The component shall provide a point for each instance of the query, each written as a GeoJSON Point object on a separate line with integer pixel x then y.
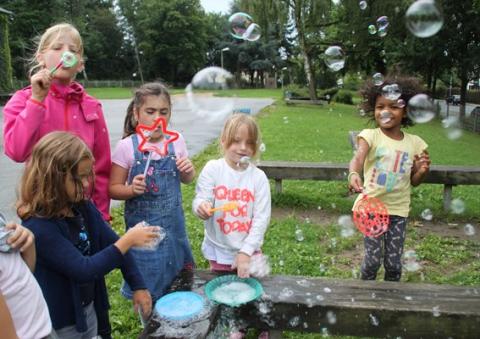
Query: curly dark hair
{"type": "Point", "coordinates": [409, 86]}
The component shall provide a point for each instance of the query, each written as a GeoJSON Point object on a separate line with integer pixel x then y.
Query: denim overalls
{"type": "Point", "coordinates": [160, 205]}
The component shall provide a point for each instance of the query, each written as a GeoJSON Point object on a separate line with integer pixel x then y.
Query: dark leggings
{"type": "Point", "coordinates": [392, 243]}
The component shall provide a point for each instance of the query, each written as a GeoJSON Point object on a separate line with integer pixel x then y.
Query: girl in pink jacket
{"type": "Point", "coordinates": [55, 102]}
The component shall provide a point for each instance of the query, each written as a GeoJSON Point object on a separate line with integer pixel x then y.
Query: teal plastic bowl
{"type": "Point", "coordinates": [232, 296]}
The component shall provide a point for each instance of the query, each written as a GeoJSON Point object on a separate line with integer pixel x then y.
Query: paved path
{"type": "Point", "coordinates": [198, 132]}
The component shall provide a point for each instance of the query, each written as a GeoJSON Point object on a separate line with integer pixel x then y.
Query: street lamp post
{"type": "Point", "coordinates": [283, 69]}
{"type": "Point", "coordinates": [221, 55]}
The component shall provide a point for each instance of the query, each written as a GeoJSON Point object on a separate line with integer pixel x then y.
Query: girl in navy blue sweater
{"type": "Point", "coordinates": [75, 247]}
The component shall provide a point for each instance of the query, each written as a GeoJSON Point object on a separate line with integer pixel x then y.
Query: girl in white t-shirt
{"type": "Point", "coordinates": [233, 236]}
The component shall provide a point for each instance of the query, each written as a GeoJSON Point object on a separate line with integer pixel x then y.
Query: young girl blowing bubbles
{"type": "Point", "coordinates": [156, 197]}
{"type": "Point", "coordinates": [75, 247]}
{"type": "Point", "coordinates": [392, 161]}
{"type": "Point", "coordinates": [233, 236]}
{"type": "Point", "coordinates": [55, 102]}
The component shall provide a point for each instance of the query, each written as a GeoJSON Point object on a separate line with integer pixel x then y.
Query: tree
{"type": "Point", "coordinates": [5, 60]}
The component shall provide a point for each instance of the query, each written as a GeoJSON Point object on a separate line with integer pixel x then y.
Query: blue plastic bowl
{"type": "Point", "coordinates": [180, 305]}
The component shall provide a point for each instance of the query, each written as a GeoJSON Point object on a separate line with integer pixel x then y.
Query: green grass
{"type": "Point", "coordinates": [316, 133]}
{"type": "Point", "coordinates": [119, 93]}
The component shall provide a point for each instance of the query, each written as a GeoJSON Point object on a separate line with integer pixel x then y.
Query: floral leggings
{"type": "Point", "coordinates": [392, 243]}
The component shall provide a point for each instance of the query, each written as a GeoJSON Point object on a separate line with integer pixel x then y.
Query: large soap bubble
{"type": "Point", "coordinates": [423, 18]}
{"type": "Point", "coordinates": [334, 58]}
{"type": "Point", "coordinates": [242, 27]}
{"type": "Point", "coordinates": [421, 109]}
{"type": "Point", "coordinates": [200, 92]}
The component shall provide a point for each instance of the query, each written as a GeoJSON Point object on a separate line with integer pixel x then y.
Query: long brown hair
{"type": "Point", "coordinates": [151, 88]}
{"type": "Point", "coordinates": [43, 191]}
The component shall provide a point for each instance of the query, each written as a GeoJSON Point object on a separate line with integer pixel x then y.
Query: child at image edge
{"type": "Point", "coordinates": [75, 246]}
{"type": "Point", "coordinates": [155, 198]}
{"type": "Point", "coordinates": [391, 161]}
{"type": "Point", "coordinates": [232, 237]}
{"type": "Point", "coordinates": [58, 103]}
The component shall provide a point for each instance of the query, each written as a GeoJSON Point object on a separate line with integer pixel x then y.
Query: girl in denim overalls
{"type": "Point", "coordinates": [156, 197]}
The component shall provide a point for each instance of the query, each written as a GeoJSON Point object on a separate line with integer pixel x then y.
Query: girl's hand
{"type": "Point", "coordinates": [21, 238]}
{"type": "Point", "coordinates": [242, 264]}
{"type": "Point", "coordinates": [356, 183]}
{"type": "Point", "coordinates": [203, 211]}
{"type": "Point", "coordinates": [421, 163]}
{"type": "Point", "coordinates": [184, 165]}
{"type": "Point", "coordinates": [138, 185]}
{"type": "Point", "coordinates": [142, 300]}
{"type": "Point", "coordinates": [140, 235]}
{"type": "Point", "coordinates": [40, 82]}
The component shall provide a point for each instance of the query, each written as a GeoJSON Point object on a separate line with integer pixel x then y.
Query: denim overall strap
{"type": "Point", "coordinates": [160, 205]}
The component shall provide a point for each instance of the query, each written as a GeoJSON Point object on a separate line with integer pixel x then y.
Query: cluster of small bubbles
{"type": "Point", "coordinates": [457, 206]}
{"type": "Point", "coordinates": [242, 27]}
{"type": "Point", "coordinates": [331, 318]}
{"type": "Point", "coordinates": [436, 311]}
{"type": "Point", "coordinates": [410, 261]}
{"type": "Point", "coordinates": [452, 126]}
{"type": "Point", "coordinates": [259, 266]}
{"type": "Point", "coordinates": [322, 269]}
{"type": "Point", "coordinates": [327, 290]}
{"type": "Point", "coordinates": [307, 220]}
{"type": "Point", "coordinates": [423, 18]}
{"type": "Point", "coordinates": [334, 58]}
{"type": "Point", "coordinates": [421, 108]}
{"type": "Point", "coordinates": [427, 214]}
{"type": "Point", "coordinates": [322, 35]}
{"type": "Point", "coordinates": [304, 283]}
{"type": "Point", "coordinates": [262, 148]}
{"type": "Point", "coordinates": [363, 5]}
{"type": "Point", "coordinates": [324, 332]}
{"type": "Point", "coordinates": [210, 79]}
{"type": "Point", "coordinates": [285, 293]}
{"type": "Point", "coordinates": [294, 322]}
{"type": "Point", "coordinates": [374, 320]}
{"type": "Point", "coordinates": [347, 228]}
{"type": "Point", "coordinates": [309, 302]}
{"type": "Point", "coordinates": [469, 229]}
{"type": "Point", "coordinates": [263, 308]}
{"type": "Point", "coordinates": [299, 235]}
{"type": "Point", "coordinates": [391, 92]}
{"type": "Point", "coordinates": [372, 29]}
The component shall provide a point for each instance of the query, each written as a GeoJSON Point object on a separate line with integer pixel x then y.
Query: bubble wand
{"type": "Point", "coordinates": [68, 60]}
{"type": "Point", "coordinates": [145, 132]}
{"type": "Point", "coordinates": [228, 207]}
{"type": "Point", "coordinates": [371, 216]}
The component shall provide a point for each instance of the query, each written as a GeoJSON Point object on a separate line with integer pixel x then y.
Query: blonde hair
{"type": "Point", "coordinates": [48, 37]}
{"type": "Point", "coordinates": [43, 189]}
{"type": "Point", "coordinates": [233, 124]}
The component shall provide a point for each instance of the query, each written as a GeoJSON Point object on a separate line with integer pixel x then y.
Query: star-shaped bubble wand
{"type": "Point", "coordinates": [68, 60]}
{"type": "Point", "coordinates": [371, 216]}
{"type": "Point", "coordinates": [145, 132]}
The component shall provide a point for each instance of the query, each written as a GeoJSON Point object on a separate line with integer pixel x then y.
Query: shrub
{"type": "Point", "coordinates": [344, 96]}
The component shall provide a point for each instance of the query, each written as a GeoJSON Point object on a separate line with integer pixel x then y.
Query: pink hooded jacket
{"type": "Point", "coordinates": [66, 108]}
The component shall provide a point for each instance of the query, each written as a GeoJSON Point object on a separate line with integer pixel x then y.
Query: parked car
{"type": "Point", "coordinates": [453, 99]}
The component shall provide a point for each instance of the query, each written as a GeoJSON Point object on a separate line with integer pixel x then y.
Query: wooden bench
{"type": "Point", "coordinates": [448, 176]}
{"type": "Point", "coordinates": [345, 307]}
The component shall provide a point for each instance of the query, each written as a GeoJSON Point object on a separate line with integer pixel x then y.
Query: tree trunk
{"type": "Point", "coordinates": [463, 91]}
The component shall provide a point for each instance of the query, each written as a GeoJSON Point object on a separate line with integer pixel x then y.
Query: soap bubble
{"type": "Point", "coordinates": [423, 18]}
{"type": "Point", "coordinates": [372, 29]}
{"type": "Point", "coordinates": [427, 214]}
{"type": "Point", "coordinates": [391, 92]}
{"type": "Point", "coordinates": [363, 5]}
{"type": "Point", "coordinates": [469, 229]}
{"type": "Point", "coordinates": [199, 96]}
{"type": "Point", "coordinates": [382, 22]}
{"type": "Point", "coordinates": [453, 128]}
{"type": "Point", "coordinates": [421, 109]}
{"type": "Point", "coordinates": [410, 261]}
{"type": "Point", "coordinates": [334, 58]}
{"type": "Point", "coordinates": [381, 33]}
{"type": "Point", "coordinates": [378, 79]}
{"type": "Point", "coordinates": [299, 235]}
{"type": "Point", "coordinates": [457, 206]}
{"type": "Point", "coordinates": [262, 148]}
{"type": "Point", "coordinates": [242, 27]}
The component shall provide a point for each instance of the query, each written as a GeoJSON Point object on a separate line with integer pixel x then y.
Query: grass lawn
{"type": "Point", "coordinates": [311, 133]}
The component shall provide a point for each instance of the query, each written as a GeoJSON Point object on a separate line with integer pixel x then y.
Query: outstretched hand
{"type": "Point", "coordinates": [242, 264]}
{"type": "Point", "coordinates": [421, 163]}
{"type": "Point", "coordinates": [355, 183]}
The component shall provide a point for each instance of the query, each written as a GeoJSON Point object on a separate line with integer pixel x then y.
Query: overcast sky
{"type": "Point", "coordinates": [216, 5]}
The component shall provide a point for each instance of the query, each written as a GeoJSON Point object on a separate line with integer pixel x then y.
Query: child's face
{"type": "Point", "coordinates": [154, 106]}
{"type": "Point", "coordinates": [242, 146]}
{"type": "Point", "coordinates": [389, 113]}
{"type": "Point", "coordinates": [84, 175]}
{"type": "Point", "coordinates": [52, 54]}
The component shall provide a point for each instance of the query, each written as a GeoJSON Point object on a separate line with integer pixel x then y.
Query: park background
{"type": "Point", "coordinates": [129, 42]}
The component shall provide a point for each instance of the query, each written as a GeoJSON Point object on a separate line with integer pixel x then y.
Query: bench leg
{"type": "Point", "coordinates": [447, 196]}
{"type": "Point", "coordinates": [278, 186]}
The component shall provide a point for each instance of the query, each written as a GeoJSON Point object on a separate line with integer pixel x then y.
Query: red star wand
{"type": "Point", "coordinates": [145, 132]}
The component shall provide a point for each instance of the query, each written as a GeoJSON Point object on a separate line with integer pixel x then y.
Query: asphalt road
{"type": "Point", "coordinates": [199, 132]}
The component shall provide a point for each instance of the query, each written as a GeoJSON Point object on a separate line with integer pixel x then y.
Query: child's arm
{"type": "Point", "coordinates": [119, 190]}
{"type": "Point", "coordinates": [355, 182]}
{"type": "Point", "coordinates": [420, 168]}
{"type": "Point", "coordinates": [6, 321]}
{"type": "Point", "coordinates": [202, 203]}
{"type": "Point", "coordinates": [186, 169]}
{"type": "Point", "coordinates": [23, 240]}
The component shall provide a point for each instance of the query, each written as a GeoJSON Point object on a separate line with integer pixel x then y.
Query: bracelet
{"type": "Point", "coordinates": [350, 175]}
